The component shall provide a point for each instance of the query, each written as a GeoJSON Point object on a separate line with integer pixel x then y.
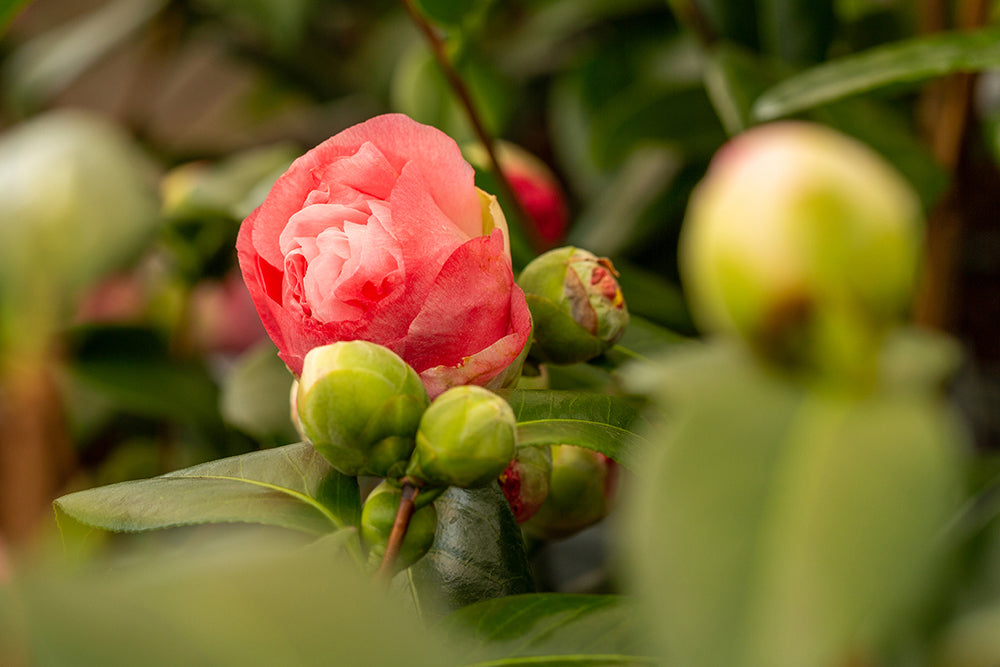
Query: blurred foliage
{"type": "Point", "coordinates": [626, 100]}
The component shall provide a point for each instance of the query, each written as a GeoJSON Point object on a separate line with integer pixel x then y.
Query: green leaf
{"type": "Point", "coordinates": [779, 526]}
{"type": "Point", "coordinates": [244, 601]}
{"type": "Point", "coordinates": [595, 421]}
{"type": "Point", "coordinates": [133, 367]}
{"type": "Point", "coordinates": [255, 396]}
{"type": "Point", "coordinates": [679, 115]}
{"type": "Point", "coordinates": [292, 487]}
{"type": "Point", "coordinates": [734, 78]}
{"type": "Point", "coordinates": [548, 629]}
{"type": "Point", "coordinates": [901, 62]}
{"type": "Point", "coordinates": [478, 554]}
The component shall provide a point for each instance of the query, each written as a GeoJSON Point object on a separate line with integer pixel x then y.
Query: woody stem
{"type": "Point", "coordinates": [475, 118]}
{"type": "Point", "coordinates": [398, 533]}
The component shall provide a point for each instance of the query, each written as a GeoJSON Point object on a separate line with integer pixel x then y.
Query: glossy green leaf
{"type": "Point", "coordinates": [779, 526]}
{"type": "Point", "coordinates": [534, 405]}
{"type": "Point", "coordinates": [595, 421]}
{"type": "Point", "coordinates": [478, 554]}
{"type": "Point", "coordinates": [901, 62]}
{"type": "Point", "coordinates": [291, 487]}
{"type": "Point", "coordinates": [242, 602]}
{"type": "Point", "coordinates": [549, 628]}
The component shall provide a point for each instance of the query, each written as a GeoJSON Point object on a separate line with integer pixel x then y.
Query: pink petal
{"type": "Point", "coordinates": [494, 367]}
{"type": "Point", "coordinates": [468, 308]}
{"type": "Point", "coordinates": [449, 178]}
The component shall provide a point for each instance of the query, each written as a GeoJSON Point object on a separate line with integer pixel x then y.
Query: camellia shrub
{"type": "Point", "coordinates": [595, 335]}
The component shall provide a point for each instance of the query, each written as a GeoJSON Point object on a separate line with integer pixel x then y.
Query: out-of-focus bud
{"type": "Point", "coordinates": [77, 202]}
{"type": "Point", "coordinates": [581, 493]}
{"type": "Point", "coordinates": [525, 482]}
{"type": "Point", "coordinates": [466, 439]}
{"type": "Point", "coordinates": [377, 517]}
{"type": "Point", "coordinates": [223, 317]}
{"type": "Point", "coordinates": [534, 185]}
{"type": "Point", "coordinates": [359, 404]}
{"type": "Point", "coordinates": [576, 305]}
{"type": "Point", "coordinates": [805, 243]}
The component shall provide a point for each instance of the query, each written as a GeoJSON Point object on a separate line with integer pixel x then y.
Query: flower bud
{"type": "Point", "coordinates": [581, 493]}
{"type": "Point", "coordinates": [576, 305]}
{"type": "Point", "coordinates": [466, 439]}
{"type": "Point", "coordinates": [359, 404]}
{"type": "Point", "coordinates": [805, 243]}
{"type": "Point", "coordinates": [525, 482]}
{"type": "Point", "coordinates": [377, 518]}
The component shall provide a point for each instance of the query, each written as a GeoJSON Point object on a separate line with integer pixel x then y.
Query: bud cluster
{"type": "Point", "coordinates": [366, 411]}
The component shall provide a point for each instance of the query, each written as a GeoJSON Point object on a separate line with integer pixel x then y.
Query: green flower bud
{"type": "Point", "coordinates": [77, 202]}
{"type": "Point", "coordinates": [803, 242]}
{"type": "Point", "coordinates": [525, 482]}
{"type": "Point", "coordinates": [377, 518]}
{"type": "Point", "coordinates": [466, 439]}
{"type": "Point", "coordinates": [359, 404]}
{"type": "Point", "coordinates": [576, 305]}
{"type": "Point", "coordinates": [581, 493]}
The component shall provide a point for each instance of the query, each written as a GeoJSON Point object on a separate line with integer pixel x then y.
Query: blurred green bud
{"type": "Point", "coordinates": [466, 439]}
{"type": "Point", "coordinates": [525, 482]}
{"type": "Point", "coordinates": [77, 202]}
{"type": "Point", "coordinates": [576, 305]}
{"type": "Point", "coordinates": [581, 492]}
{"type": "Point", "coordinates": [377, 518]}
{"type": "Point", "coordinates": [359, 404]}
{"type": "Point", "coordinates": [805, 243]}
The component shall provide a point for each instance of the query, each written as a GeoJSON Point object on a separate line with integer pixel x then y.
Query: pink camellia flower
{"type": "Point", "coordinates": [380, 234]}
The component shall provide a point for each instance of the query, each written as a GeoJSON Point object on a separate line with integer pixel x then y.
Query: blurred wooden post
{"type": "Point", "coordinates": [33, 447]}
{"type": "Point", "coordinates": [945, 108]}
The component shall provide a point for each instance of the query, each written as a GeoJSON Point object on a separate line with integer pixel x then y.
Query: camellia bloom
{"type": "Point", "coordinates": [380, 234]}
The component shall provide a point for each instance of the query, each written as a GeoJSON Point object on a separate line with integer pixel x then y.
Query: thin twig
{"type": "Point", "coordinates": [691, 17]}
{"type": "Point", "coordinates": [403, 515]}
{"type": "Point", "coordinates": [462, 91]}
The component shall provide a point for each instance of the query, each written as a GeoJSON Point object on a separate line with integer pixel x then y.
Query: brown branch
{"type": "Point", "coordinates": [945, 109]}
{"type": "Point", "coordinates": [403, 515]}
{"type": "Point", "coordinates": [475, 118]}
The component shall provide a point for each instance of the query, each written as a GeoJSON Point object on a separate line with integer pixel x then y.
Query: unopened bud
{"type": "Point", "coordinates": [466, 438]}
{"type": "Point", "coordinates": [525, 482]}
{"type": "Point", "coordinates": [359, 404]}
{"type": "Point", "coordinates": [581, 493]}
{"type": "Point", "coordinates": [803, 242]}
{"type": "Point", "coordinates": [379, 514]}
{"type": "Point", "coordinates": [576, 305]}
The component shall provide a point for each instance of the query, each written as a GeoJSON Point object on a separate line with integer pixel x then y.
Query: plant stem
{"type": "Point", "coordinates": [399, 526]}
{"type": "Point", "coordinates": [462, 91]}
